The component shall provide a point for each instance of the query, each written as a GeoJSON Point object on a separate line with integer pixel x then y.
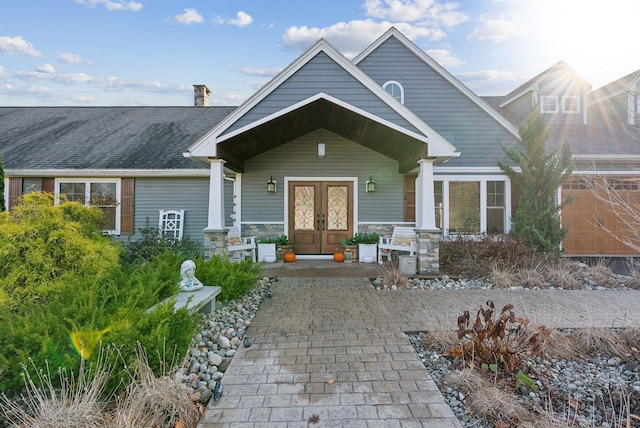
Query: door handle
{"type": "Point", "coordinates": [320, 221]}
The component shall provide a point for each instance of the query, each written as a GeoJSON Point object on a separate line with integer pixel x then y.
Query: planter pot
{"type": "Point", "coordinates": [281, 250]}
{"type": "Point", "coordinates": [367, 252]}
{"type": "Point", "coordinates": [266, 252]}
{"type": "Point", "coordinates": [353, 253]}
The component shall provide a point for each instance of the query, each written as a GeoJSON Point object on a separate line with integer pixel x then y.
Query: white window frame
{"type": "Point", "coordinates": [394, 83]}
{"type": "Point", "coordinates": [544, 98]}
{"type": "Point", "coordinates": [483, 200]}
{"type": "Point", "coordinates": [87, 182]}
{"type": "Point", "coordinates": [564, 104]}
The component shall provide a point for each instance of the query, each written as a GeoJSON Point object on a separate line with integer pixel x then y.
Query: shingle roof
{"type": "Point", "coordinates": [103, 137]}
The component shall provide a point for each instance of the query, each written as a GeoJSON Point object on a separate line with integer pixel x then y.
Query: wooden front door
{"type": "Point", "coordinates": [320, 215]}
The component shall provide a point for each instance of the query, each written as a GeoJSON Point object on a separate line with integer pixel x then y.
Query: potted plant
{"type": "Point", "coordinates": [283, 246]}
{"type": "Point", "coordinates": [367, 246]}
{"type": "Point", "coordinates": [350, 249]}
{"type": "Point", "coordinates": [267, 250]}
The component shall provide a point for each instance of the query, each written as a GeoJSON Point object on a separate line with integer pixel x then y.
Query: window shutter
{"type": "Point", "coordinates": [15, 191]}
{"type": "Point", "coordinates": [48, 184]}
{"type": "Point", "coordinates": [126, 206]}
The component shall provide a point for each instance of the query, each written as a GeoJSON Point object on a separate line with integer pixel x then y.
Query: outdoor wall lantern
{"type": "Point", "coordinates": [371, 185]}
{"type": "Point", "coordinates": [321, 150]}
{"type": "Point", "coordinates": [271, 185]}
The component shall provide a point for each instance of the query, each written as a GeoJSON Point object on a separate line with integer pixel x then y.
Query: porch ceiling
{"type": "Point", "coordinates": [332, 117]}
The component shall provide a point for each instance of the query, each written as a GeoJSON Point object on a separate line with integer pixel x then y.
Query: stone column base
{"type": "Point", "coordinates": [428, 242]}
{"type": "Point", "coordinates": [215, 243]}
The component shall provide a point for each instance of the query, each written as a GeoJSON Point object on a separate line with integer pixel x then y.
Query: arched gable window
{"type": "Point", "coordinates": [395, 89]}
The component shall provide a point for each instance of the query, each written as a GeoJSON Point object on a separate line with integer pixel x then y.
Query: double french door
{"type": "Point", "coordinates": [320, 215]}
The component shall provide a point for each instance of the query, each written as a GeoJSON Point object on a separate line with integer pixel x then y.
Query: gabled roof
{"type": "Point", "coordinates": [630, 82]}
{"type": "Point", "coordinates": [395, 33]}
{"type": "Point", "coordinates": [558, 74]}
{"type": "Point", "coordinates": [102, 138]}
{"type": "Point", "coordinates": [207, 146]}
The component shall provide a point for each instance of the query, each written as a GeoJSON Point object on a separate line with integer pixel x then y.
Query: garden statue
{"type": "Point", "coordinates": [189, 281]}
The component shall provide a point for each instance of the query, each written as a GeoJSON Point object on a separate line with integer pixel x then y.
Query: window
{"type": "Point", "coordinates": [570, 104]}
{"type": "Point", "coordinates": [101, 193]}
{"type": "Point", "coordinates": [30, 185]}
{"type": "Point", "coordinates": [464, 207]}
{"type": "Point", "coordinates": [495, 206]}
{"type": "Point", "coordinates": [395, 89]}
{"type": "Point", "coordinates": [472, 206]}
{"type": "Point", "coordinates": [549, 103]}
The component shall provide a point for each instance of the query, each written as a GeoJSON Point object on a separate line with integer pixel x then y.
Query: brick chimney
{"type": "Point", "coordinates": [201, 95]}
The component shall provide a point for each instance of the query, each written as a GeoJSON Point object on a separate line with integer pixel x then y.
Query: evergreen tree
{"type": "Point", "coordinates": [2, 208]}
{"type": "Point", "coordinates": [537, 218]}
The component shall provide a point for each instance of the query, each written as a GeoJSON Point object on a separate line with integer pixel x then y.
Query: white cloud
{"type": "Point", "coordinates": [491, 82]}
{"type": "Point", "coordinates": [242, 19]}
{"type": "Point", "coordinates": [17, 45]}
{"type": "Point", "coordinates": [445, 57]}
{"type": "Point", "coordinates": [46, 68]}
{"type": "Point", "coordinates": [113, 4]}
{"type": "Point", "coordinates": [262, 72]}
{"type": "Point", "coordinates": [496, 29]}
{"type": "Point", "coordinates": [353, 36]}
{"type": "Point", "coordinates": [3, 73]}
{"type": "Point", "coordinates": [428, 12]}
{"type": "Point", "coordinates": [70, 58]}
{"type": "Point", "coordinates": [190, 16]}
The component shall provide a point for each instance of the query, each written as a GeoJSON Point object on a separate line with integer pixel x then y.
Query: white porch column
{"type": "Point", "coordinates": [425, 203]}
{"type": "Point", "coordinates": [216, 195]}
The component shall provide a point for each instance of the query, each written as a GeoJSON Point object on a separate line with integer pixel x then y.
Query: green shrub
{"type": "Point", "coordinates": [235, 278]}
{"type": "Point", "coordinates": [117, 304]}
{"type": "Point", "coordinates": [152, 244]}
{"type": "Point", "coordinates": [44, 246]}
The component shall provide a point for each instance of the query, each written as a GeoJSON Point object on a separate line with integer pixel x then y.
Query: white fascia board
{"type": "Point", "coordinates": [203, 147]}
{"type": "Point", "coordinates": [515, 97]}
{"type": "Point", "coordinates": [444, 73]}
{"type": "Point", "coordinates": [468, 170]}
{"type": "Point", "coordinates": [107, 173]}
{"type": "Point", "coordinates": [608, 158]}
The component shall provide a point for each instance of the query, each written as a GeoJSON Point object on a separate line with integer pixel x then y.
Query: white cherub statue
{"type": "Point", "coordinates": [189, 281]}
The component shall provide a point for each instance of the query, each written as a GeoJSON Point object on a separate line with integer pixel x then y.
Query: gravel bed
{"type": "Point", "coordinates": [219, 336]}
{"type": "Point", "coordinates": [582, 393]}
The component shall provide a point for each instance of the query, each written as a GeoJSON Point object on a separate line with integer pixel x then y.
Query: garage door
{"type": "Point", "coordinates": [583, 216]}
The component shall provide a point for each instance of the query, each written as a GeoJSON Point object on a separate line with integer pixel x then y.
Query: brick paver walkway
{"type": "Point", "coordinates": [335, 350]}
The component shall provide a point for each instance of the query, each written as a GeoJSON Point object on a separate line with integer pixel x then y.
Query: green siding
{"type": "Point", "coordinates": [343, 159]}
{"type": "Point", "coordinates": [189, 194]}
{"type": "Point", "coordinates": [474, 133]}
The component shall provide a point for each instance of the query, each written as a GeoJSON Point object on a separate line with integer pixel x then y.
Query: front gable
{"type": "Point", "coordinates": [320, 73]}
{"type": "Point", "coordinates": [439, 99]}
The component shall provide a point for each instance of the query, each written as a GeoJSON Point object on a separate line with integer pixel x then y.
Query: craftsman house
{"type": "Point", "coordinates": [329, 147]}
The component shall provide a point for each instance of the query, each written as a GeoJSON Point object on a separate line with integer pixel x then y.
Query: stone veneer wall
{"type": "Point", "coordinates": [428, 251]}
{"type": "Point", "coordinates": [215, 242]}
{"type": "Point", "coordinates": [263, 231]}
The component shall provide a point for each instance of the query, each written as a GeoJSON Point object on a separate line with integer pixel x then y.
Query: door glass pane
{"type": "Point", "coordinates": [337, 208]}
{"type": "Point", "coordinates": [464, 206]}
{"type": "Point", "coordinates": [304, 197]}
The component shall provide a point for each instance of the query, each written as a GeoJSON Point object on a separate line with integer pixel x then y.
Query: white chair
{"type": "Point", "coordinates": [244, 246]}
{"type": "Point", "coordinates": [171, 223]}
{"type": "Point", "coordinates": [402, 239]}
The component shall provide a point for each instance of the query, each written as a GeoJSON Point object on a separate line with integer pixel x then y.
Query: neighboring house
{"type": "Point", "coordinates": [316, 134]}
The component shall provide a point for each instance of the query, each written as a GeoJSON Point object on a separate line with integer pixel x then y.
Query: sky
{"type": "Point", "coordinates": [152, 52]}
